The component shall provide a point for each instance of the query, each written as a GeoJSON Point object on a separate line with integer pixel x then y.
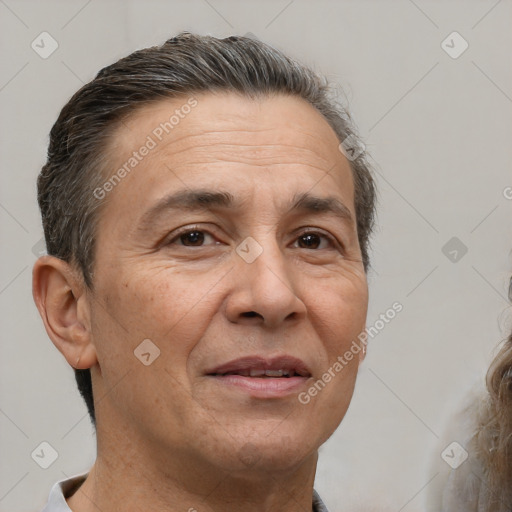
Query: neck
{"type": "Point", "coordinates": [129, 476]}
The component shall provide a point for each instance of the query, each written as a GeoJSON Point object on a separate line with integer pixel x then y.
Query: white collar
{"type": "Point", "coordinates": [61, 490]}
{"type": "Point", "coordinates": [64, 488]}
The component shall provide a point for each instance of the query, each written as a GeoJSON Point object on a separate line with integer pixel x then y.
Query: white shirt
{"type": "Point", "coordinates": [65, 488]}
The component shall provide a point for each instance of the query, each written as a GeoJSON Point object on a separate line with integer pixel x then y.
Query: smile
{"type": "Point", "coordinates": [261, 378]}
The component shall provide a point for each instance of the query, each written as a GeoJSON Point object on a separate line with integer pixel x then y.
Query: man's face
{"type": "Point", "coordinates": [174, 265]}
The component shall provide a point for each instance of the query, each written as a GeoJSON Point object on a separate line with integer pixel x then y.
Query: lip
{"type": "Point", "coordinates": [262, 387]}
{"type": "Point", "coordinates": [284, 362]}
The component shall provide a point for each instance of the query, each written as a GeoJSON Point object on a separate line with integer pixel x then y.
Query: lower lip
{"type": "Point", "coordinates": [263, 387]}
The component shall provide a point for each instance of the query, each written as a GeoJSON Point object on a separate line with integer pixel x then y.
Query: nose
{"type": "Point", "coordinates": [264, 291]}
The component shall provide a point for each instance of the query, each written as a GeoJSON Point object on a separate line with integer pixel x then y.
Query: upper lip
{"type": "Point", "coordinates": [285, 362]}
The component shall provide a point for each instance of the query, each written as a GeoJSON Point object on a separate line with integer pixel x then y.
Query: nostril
{"type": "Point", "coordinates": [250, 314]}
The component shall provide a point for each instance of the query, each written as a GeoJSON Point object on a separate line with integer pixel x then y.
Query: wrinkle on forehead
{"type": "Point", "coordinates": [293, 150]}
{"type": "Point", "coordinates": [278, 127]}
{"type": "Point", "coordinates": [226, 138]}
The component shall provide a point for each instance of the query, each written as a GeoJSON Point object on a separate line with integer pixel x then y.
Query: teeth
{"type": "Point", "coordinates": [257, 373]}
{"type": "Point", "coordinates": [274, 373]}
{"type": "Point", "coordinates": [269, 373]}
{"type": "Point", "coordinates": [262, 373]}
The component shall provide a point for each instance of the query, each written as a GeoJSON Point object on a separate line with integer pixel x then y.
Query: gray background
{"type": "Point", "coordinates": [438, 129]}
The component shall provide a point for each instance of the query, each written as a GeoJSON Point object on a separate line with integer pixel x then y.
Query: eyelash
{"type": "Point", "coordinates": [190, 229]}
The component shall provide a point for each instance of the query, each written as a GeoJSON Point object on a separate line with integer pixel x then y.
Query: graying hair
{"type": "Point", "coordinates": [185, 64]}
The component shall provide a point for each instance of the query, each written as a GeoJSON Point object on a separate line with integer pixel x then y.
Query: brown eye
{"type": "Point", "coordinates": [312, 240]}
{"type": "Point", "coordinates": [192, 238]}
{"type": "Point", "coordinates": [309, 241]}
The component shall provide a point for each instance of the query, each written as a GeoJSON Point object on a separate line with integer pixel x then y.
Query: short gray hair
{"type": "Point", "coordinates": [185, 64]}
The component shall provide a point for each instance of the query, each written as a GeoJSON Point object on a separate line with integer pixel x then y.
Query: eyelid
{"type": "Point", "coordinates": [302, 231]}
{"type": "Point", "coordinates": [317, 231]}
{"type": "Point", "coordinates": [186, 229]}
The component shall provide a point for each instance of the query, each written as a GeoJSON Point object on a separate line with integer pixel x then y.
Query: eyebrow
{"type": "Point", "coordinates": [200, 199]}
{"type": "Point", "coordinates": [330, 205]}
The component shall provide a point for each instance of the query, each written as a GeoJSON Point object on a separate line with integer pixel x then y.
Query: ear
{"type": "Point", "coordinates": [61, 298]}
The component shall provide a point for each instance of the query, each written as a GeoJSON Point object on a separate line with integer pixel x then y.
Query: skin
{"type": "Point", "coordinates": [169, 437]}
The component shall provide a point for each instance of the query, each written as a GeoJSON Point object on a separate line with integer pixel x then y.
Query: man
{"type": "Point", "coordinates": [207, 237]}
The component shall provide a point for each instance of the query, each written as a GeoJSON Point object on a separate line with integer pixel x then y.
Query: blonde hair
{"type": "Point", "coordinates": [492, 441]}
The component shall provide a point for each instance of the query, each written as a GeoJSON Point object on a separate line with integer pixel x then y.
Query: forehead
{"type": "Point", "coordinates": [228, 140]}
{"type": "Point", "coordinates": [288, 123]}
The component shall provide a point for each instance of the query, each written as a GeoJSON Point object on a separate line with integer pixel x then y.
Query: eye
{"type": "Point", "coordinates": [314, 240]}
{"type": "Point", "coordinates": [192, 238]}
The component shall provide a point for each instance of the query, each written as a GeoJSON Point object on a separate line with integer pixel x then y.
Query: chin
{"type": "Point", "coordinates": [269, 453]}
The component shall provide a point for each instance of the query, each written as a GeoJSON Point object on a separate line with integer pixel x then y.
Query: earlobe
{"type": "Point", "coordinates": [60, 297]}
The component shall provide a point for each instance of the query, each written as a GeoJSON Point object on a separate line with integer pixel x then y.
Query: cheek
{"type": "Point", "coordinates": [172, 311]}
{"type": "Point", "coordinates": [340, 311]}
{"type": "Point", "coordinates": [170, 308]}
{"type": "Point", "coordinates": [155, 299]}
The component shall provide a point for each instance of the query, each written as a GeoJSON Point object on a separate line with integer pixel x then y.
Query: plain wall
{"type": "Point", "coordinates": [439, 132]}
